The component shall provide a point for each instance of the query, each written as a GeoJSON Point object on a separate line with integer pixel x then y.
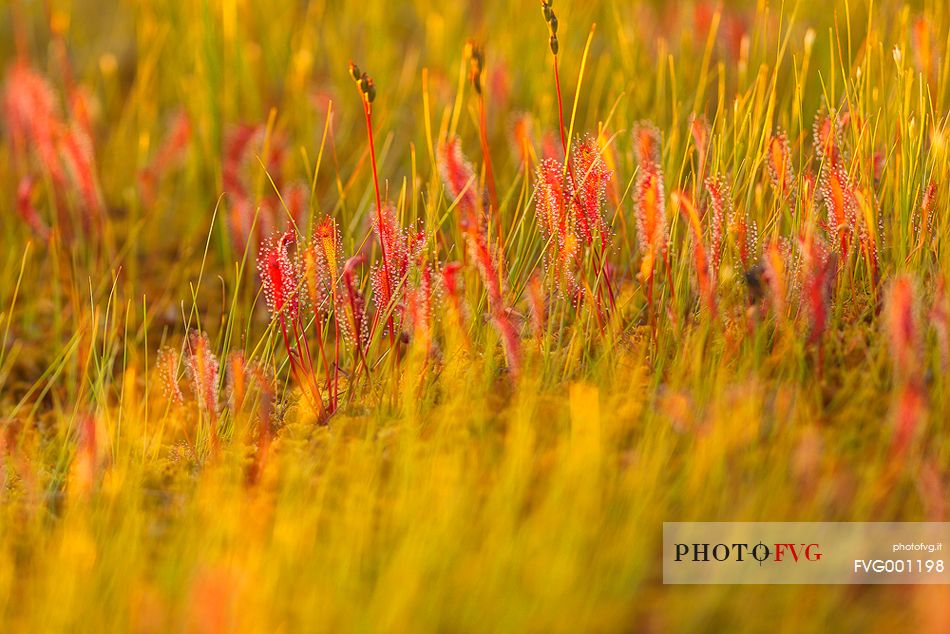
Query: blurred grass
{"type": "Point", "coordinates": [455, 500]}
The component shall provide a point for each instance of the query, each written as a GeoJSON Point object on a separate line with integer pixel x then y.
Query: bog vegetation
{"type": "Point", "coordinates": [426, 315]}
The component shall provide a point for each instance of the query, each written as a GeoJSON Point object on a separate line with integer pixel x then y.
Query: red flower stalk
{"type": "Point", "coordinates": [720, 193]}
{"type": "Point", "coordinates": [476, 58]}
{"type": "Point", "coordinates": [780, 165]}
{"type": "Point", "coordinates": [838, 194]}
{"type": "Point", "coordinates": [167, 366]}
{"type": "Point", "coordinates": [548, 12]}
{"type": "Point", "coordinates": [367, 88]}
{"type": "Point", "coordinates": [701, 261]}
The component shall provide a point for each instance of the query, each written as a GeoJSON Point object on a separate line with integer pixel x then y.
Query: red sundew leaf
{"type": "Point", "coordinates": [557, 225]}
{"type": "Point", "coordinates": [902, 326]}
{"type": "Point", "coordinates": [819, 271]}
{"type": "Point", "coordinates": [166, 365]}
{"type": "Point", "coordinates": [32, 118]}
{"type": "Point", "coordinates": [590, 197]}
{"type": "Point", "coordinates": [780, 165]}
{"type": "Point", "coordinates": [699, 129]}
{"type": "Point", "coordinates": [827, 133]}
{"type": "Point", "coordinates": [650, 208]}
{"type": "Point", "coordinates": [510, 341]}
{"type": "Point", "coordinates": [460, 180]}
{"type": "Point", "coordinates": [419, 310]}
{"type": "Point", "coordinates": [521, 134]}
{"type": "Point", "coordinates": [939, 316]}
{"type": "Point", "coordinates": [537, 306]}
{"type": "Point", "coordinates": [481, 254]}
{"type": "Point", "coordinates": [720, 193]}
{"type": "Point", "coordinates": [840, 203]}
{"type": "Point", "coordinates": [26, 209]}
{"type": "Point", "coordinates": [927, 202]}
{"type": "Point", "coordinates": [701, 261]}
{"type": "Point", "coordinates": [773, 260]}
{"type": "Point", "coordinates": [646, 143]}
{"type": "Point", "coordinates": [79, 160]}
{"type": "Point", "coordinates": [352, 316]}
{"type": "Point", "coordinates": [279, 276]}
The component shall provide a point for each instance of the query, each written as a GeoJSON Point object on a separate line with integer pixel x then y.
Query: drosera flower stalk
{"type": "Point", "coordinates": [547, 11]}
{"type": "Point", "coordinates": [476, 59]}
{"type": "Point", "coordinates": [367, 88]}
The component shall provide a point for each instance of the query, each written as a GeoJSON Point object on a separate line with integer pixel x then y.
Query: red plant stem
{"type": "Point", "coordinates": [560, 115]}
{"type": "Point", "coordinates": [326, 362]}
{"type": "Point", "coordinates": [368, 111]}
{"type": "Point", "coordinates": [489, 171]}
{"type": "Point", "coordinates": [336, 363]}
{"type": "Point", "coordinates": [296, 369]}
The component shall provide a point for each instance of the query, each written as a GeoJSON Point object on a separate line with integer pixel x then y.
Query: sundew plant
{"type": "Point", "coordinates": [425, 316]}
